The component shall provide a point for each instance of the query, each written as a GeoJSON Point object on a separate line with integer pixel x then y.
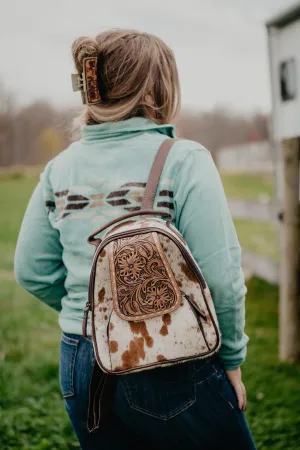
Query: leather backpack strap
{"type": "Point", "coordinates": [155, 173]}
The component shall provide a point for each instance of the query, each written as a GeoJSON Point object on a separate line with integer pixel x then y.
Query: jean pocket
{"type": "Point", "coordinates": [68, 353]}
{"type": "Point", "coordinates": [161, 393]}
{"type": "Point", "coordinates": [224, 389]}
{"type": "Point", "coordinates": [227, 391]}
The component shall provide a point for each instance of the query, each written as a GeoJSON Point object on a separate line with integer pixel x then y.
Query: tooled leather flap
{"type": "Point", "coordinates": [143, 284]}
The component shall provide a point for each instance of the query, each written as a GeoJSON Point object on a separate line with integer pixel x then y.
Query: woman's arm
{"type": "Point", "coordinates": [38, 258]}
{"type": "Point", "coordinates": [203, 217]}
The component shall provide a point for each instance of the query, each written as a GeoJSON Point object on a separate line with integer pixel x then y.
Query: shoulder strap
{"type": "Point", "coordinates": [155, 173]}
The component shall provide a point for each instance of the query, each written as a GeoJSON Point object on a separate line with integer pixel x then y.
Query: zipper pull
{"type": "Point", "coordinates": [194, 305]}
{"type": "Point", "coordinates": [85, 318]}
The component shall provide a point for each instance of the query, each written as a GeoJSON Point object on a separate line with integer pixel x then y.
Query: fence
{"type": "Point", "coordinates": [255, 264]}
{"type": "Point", "coordinates": [252, 158]}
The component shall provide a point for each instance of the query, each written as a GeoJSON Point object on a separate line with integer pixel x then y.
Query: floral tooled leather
{"type": "Point", "coordinates": [90, 72]}
{"type": "Point", "coordinates": [143, 283]}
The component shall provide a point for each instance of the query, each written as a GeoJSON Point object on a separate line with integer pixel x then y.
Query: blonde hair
{"type": "Point", "coordinates": [136, 67]}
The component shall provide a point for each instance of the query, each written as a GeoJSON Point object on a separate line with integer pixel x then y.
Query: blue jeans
{"type": "Point", "coordinates": [187, 406]}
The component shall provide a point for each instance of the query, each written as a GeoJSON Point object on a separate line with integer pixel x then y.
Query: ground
{"type": "Point", "coordinates": [32, 415]}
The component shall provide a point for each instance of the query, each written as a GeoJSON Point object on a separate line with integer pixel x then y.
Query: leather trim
{"type": "Point", "coordinates": [93, 241]}
{"type": "Point", "coordinates": [172, 228]}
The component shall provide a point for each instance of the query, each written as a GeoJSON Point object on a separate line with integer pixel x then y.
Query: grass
{"type": "Point", "coordinates": [273, 388]}
{"type": "Point", "coordinates": [248, 186]}
{"type": "Point", "coordinates": [32, 415]}
{"type": "Point", "coordinates": [259, 237]}
{"type": "Point", "coordinates": [14, 194]}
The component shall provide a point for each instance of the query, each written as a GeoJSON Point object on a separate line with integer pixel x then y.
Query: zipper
{"type": "Point", "coordinates": [193, 303]}
{"type": "Point", "coordinates": [85, 318]}
{"type": "Point", "coordinates": [197, 313]}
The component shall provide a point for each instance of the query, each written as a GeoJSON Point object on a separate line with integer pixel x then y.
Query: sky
{"type": "Point", "coordinates": [220, 46]}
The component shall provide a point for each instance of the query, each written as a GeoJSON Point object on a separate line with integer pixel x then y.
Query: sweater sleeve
{"type": "Point", "coordinates": [38, 257]}
{"type": "Point", "coordinates": [203, 218]}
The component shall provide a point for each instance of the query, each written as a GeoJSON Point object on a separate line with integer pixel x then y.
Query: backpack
{"type": "Point", "coordinates": [150, 304]}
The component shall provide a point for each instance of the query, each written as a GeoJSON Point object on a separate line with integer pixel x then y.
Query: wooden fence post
{"type": "Point", "coordinates": [289, 324]}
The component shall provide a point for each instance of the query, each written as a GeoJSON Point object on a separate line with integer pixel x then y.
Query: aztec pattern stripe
{"type": "Point", "coordinates": [128, 196]}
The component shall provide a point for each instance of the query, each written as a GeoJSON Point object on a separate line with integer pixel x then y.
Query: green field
{"type": "Point", "coordinates": [259, 237]}
{"type": "Point", "coordinates": [247, 186]}
{"type": "Point", "coordinates": [32, 415]}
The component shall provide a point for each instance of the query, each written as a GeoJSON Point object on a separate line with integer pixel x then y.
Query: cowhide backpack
{"type": "Point", "coordinates": [150, 304]}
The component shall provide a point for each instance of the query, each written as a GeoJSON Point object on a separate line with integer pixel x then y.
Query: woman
{"type": "Point", "coordinates": [136, 97]}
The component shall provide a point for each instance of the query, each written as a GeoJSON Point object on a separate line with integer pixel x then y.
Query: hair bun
{"type": "Point", "coordinates": [82, 48]}
{"type": "Point", "coordinates": [131, 66]}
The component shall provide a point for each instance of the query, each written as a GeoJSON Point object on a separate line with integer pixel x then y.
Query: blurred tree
{"type": "Point", "coordinates": [34, 133]}
{"type": "Point", "coordinates": [7, 130]}
{"type": "Point", "coordinates": [220, 128]}
{"type": "Point", "coordinates": [50, 141]}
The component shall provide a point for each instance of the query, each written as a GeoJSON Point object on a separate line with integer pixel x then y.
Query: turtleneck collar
{"type": "Point", "coordinates": [124, 129]}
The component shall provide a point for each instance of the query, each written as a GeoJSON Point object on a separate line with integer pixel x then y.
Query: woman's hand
{"type": "Point", "coordinates": [235, 378]}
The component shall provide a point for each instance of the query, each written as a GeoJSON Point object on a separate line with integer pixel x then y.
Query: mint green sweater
{"type": "Point", "coordinates": [103, 176]}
